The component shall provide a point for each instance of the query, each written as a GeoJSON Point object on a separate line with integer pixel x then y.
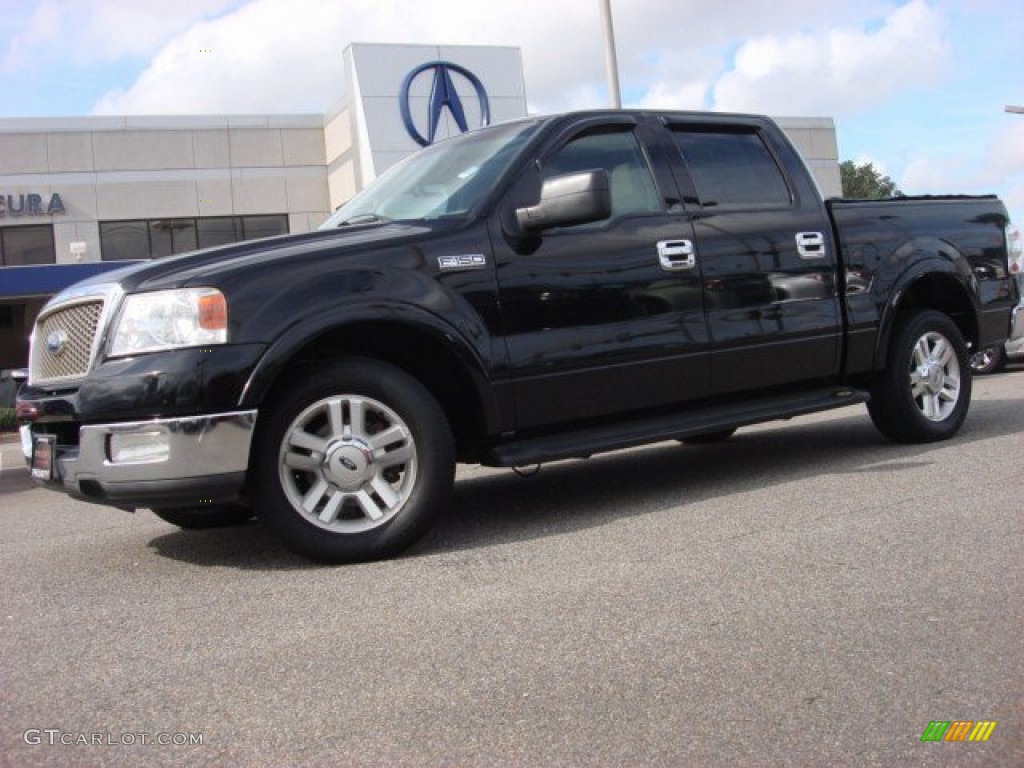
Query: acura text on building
{"type": "Point", "coordinates": [30, 205]}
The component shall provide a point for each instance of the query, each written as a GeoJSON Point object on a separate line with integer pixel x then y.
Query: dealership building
{"type": "Point", "coordinates": [81, 195]}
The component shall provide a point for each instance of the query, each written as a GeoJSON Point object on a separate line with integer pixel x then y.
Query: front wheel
{"type": "Point", "coordinates": [354, 462]}
{"type": "Point", "coordinates": [925, 390]}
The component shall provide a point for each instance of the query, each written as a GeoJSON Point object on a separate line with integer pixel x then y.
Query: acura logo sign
{"type": "Point", "coordinates": [443, 95]}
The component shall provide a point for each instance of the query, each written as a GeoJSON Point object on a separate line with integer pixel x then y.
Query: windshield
{"type": "Point", "coordinates": [445, 179]}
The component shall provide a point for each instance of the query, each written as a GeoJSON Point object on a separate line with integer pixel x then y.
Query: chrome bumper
{"type": "Point", "coordinates": [163, 462]}
{"type": "Point", "coordinates": [1015, 344]}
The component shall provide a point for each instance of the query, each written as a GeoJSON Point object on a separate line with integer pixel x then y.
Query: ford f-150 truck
{"type": "Point", "coordinates": [539, 290]}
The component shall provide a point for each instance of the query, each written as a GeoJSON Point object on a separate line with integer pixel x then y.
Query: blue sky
{"type": "Point", "coordinates": [916, 86]}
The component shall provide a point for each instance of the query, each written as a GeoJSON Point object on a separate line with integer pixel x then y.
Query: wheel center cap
{"type": "Point", "coordinates": [348, 465]}
{"type": "Point", "coordinates": [935, 377]}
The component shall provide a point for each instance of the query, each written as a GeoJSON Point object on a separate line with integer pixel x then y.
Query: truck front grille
{"type": "Point", "coordinates": [64, 341]}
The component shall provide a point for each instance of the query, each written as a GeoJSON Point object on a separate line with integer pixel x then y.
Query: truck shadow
{"type": "Point", "coordinates": [494, 508]}
{"type": "Point", "coordinates": [15, 480]}
{"type": "Point", "coordinates": [566, 497]}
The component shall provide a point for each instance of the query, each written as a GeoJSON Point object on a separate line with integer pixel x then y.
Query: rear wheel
{"type": "Point", "coordinates": [925, 390]}
{"type": "Point", "coordinates": [354, 462]}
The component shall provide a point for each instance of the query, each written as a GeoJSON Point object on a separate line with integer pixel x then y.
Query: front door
{"type": "Point", "coordinates": [605, 317]}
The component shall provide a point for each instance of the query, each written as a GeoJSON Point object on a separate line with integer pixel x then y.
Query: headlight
{"type": "Point", "coordinates": [188, 317]}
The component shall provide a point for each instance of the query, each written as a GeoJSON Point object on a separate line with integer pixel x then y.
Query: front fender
{"type": "Point", "coordinates": [472, 351]}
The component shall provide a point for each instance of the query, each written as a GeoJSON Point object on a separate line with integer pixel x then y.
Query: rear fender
{"type": "Point", "coordinates": [926, 273]}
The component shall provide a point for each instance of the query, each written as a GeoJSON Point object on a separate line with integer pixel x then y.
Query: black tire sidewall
{"type": "Point", "coordinates": [892, 406]}
{"type": "Point", "coordinates": [434, 450]}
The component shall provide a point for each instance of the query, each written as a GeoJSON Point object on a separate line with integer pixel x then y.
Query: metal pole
{"type": "Point", "coordinates": [1015, 110]}
{"type": "Point", "coordinates": [610, 63]}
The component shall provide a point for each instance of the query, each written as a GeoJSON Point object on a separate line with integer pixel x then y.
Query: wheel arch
{"type": "Point", "coordinates": [941, 279]}
{"type": "Point", "coordinates": [436, 356]}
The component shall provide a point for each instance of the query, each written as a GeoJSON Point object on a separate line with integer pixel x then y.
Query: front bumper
{"type": "Point", "coordinates": [187, 461]}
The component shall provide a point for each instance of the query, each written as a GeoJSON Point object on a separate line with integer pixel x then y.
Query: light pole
{"type": "Point", "coordinates": [1015, 110]}
{"type": "Point", "coordinates": [611, 65]}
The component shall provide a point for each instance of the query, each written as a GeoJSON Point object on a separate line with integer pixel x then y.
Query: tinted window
{"type": "Point", "coordinates": [445, 179]}
{"type": "Point", "coordinates": [124, 240]}
{"type": "Point", "coordinates": [619, 153]}
{"type": "Point", "coordinates": [263, 226]}
{"type": "Point", "coordinates": [219, 231]}
{"type": "Point", "coordinates": [168, 236]}
{"type": "Point", "coordinates": [155, 238]}
{"type": "Point", "coordinates": [20, 246]}
{"type": "Point", "coordinates": [732, 169]}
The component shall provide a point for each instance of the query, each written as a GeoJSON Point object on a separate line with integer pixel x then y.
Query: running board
{"type": "Point", "coordinates": [584, 442]}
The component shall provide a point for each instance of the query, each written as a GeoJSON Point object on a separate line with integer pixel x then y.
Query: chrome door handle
{"type": "Point", "coordinates": [674, 255]}
{"type": "Point", "coordinates": [810, 245]}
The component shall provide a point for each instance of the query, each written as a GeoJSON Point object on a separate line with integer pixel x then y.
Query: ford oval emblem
{"type": "Point", "coordinates": [57, 341]}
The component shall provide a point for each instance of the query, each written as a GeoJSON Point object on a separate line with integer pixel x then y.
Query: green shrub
{"type": "Point", "coordinates": [7, 422]}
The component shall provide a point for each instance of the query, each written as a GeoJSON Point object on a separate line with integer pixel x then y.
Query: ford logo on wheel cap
{"type": "Point", "coordinates": [56, 342]}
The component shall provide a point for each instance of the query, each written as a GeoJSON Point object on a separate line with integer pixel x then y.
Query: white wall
{"type": "Point", "coordinates": [107, 169]}
{"type": "Point", "coordinates": [375, 73]}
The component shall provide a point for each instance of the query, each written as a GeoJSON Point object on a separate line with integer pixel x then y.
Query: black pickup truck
{"type": "Point", "coordinates": [539, 290]}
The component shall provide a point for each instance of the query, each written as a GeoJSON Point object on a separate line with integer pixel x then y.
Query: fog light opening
{"type": "Point", "coordinates": [138, 448]}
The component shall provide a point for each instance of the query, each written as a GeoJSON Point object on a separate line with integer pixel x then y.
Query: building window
{"type": "Point", "coordinates": [219, 231]}
{"type": "Point", "coordinates": [155, 238]}
{"type": "Point", "coordinates": [169, 236]}
{"type": "Point", "coordinates": [22, 246]}
{"type": "Point", "coordinates": [124, 240]}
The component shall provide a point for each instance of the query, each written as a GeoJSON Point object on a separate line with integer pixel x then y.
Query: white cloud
{"type": "Point", "coordinates": [838, 71]}
{"type": "Point", "coordinates": [666, 95]}
{"type": "Point", "coordinates": [284, 55]}
{"type": "Point", "coordinates": [276, 56]}
{"type": "Point", "coordinates": [994, 165]}
{"type": "Point", "coordinates": [81, 32]}
{"type": "Point", "coordinates": [997, 161]}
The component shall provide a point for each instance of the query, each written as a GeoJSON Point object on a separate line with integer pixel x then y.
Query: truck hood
{"type": "Point", "coordinates": [215, 266]}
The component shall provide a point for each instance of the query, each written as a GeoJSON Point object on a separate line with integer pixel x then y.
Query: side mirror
{"type": "Point", "coordinates": [575, 198]}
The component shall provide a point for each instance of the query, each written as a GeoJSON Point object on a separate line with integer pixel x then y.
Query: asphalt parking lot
{"type": "Point", "coordinates": [805, 594]}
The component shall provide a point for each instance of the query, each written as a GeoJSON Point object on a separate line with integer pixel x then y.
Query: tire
{"type": "Point", "coordinates": [988, 360]}
{"type": "Point", "coordinates": [354, 462]}
{"type": "Point", "coordinates": [710, 438]}
{"type": "Point", "coordinates": [925, 390]}
{"type": "Point", "coordinates": [213, 516]}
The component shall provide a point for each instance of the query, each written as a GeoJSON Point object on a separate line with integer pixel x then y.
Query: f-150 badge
{"type": "Point", "coordinates": [468, 261]}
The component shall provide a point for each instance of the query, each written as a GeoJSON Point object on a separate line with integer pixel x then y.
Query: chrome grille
{"type": "Point", "coordinates": [63, 341]}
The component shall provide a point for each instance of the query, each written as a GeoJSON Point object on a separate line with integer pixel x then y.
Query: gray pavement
{"type": "Point", "coordinates": [805, 594]}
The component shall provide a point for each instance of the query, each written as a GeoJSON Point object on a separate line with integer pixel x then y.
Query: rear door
{"type": "Point", "coordinates": [763, 242]}
{"type": "Point", "coordinates": [605, 317]}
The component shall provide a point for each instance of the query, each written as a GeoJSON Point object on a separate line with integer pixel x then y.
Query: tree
{"type": "Point", "coordinates": [864, 181]}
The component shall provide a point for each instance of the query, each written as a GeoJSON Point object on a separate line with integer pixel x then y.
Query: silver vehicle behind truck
{"type": "Point", "coordinates": [994, 358]}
